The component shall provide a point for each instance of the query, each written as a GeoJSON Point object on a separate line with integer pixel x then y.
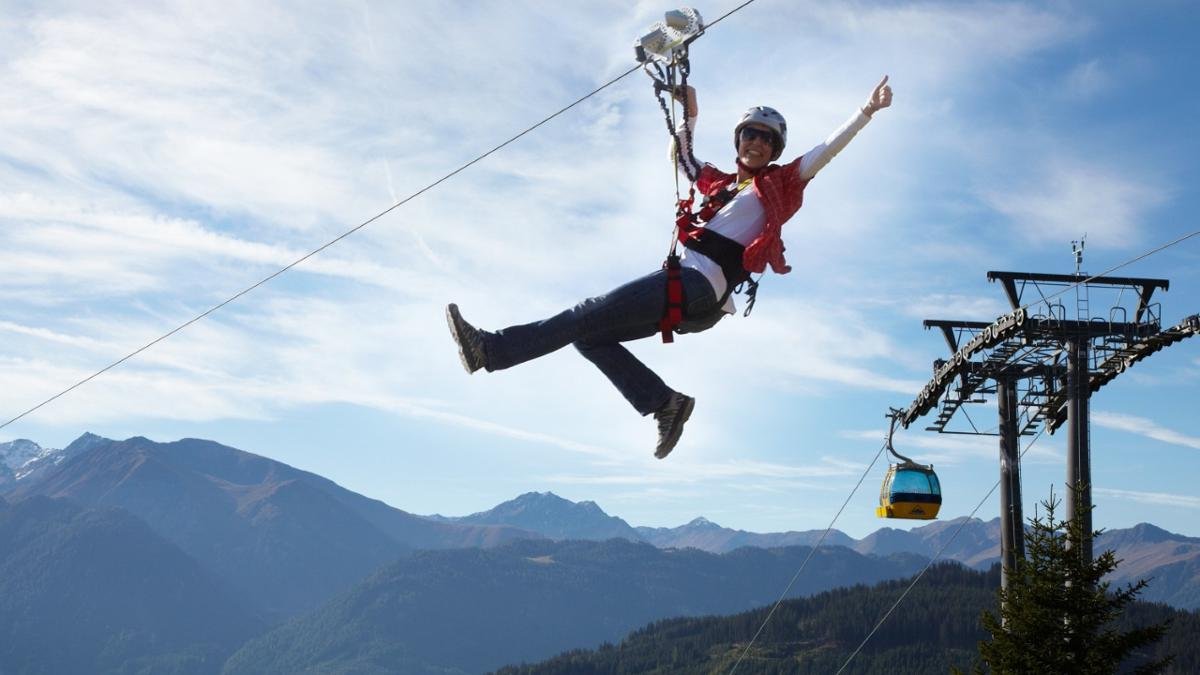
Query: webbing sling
{"type": "Point", "coordinates": [722, 250]}
{"type": "Point", "coordinates": [673, 314]}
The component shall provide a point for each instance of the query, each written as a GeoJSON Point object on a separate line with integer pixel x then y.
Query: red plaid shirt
{"type": "Point", "coordinates": [781, 190]}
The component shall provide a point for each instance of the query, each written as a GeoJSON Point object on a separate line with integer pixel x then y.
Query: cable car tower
{"type": "Point", "coordinates": [1042, 368]}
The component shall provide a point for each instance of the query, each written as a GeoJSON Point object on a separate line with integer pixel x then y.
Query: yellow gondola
{"type": "Point", "coordinates": [910, 490]}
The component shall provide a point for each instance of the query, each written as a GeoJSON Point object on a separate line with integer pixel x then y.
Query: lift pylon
{"type": "Point", "coordinates": [1043, 367]}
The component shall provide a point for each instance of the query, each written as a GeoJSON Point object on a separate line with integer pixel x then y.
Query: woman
{"type": "Point", "coordinates": [740, 234]}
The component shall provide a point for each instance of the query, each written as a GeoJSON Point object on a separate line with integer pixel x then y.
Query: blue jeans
{"type": "Point", "coordinates": [598, 325]}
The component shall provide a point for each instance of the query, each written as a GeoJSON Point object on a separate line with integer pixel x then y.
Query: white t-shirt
{"type": "Point", "coordinates": [744, 217]}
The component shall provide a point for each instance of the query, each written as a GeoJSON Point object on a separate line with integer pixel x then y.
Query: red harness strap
{"type": "Point", "coordinates": [673, 312]}
{"type": "Point", "coordinates": [673, 315]}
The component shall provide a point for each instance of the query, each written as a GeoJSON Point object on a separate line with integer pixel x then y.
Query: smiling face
{"type": "Point", "coordinates": [756, 145]}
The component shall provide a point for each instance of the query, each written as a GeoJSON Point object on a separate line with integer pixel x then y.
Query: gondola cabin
{"type": "Point", "coordinates": [910, 490]}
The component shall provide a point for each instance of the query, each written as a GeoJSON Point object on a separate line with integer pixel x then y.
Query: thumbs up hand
{"type": "Point", "coordinates": [879, 99]}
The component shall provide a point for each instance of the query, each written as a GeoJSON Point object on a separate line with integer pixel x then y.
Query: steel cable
{"type": "Point", "coordinates": [933, 560]}
{"type": "Point", "coordinates": [811, 553]}
{"type": "Point", "coordinates": [343, 235]}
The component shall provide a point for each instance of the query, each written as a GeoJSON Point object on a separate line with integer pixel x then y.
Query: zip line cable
{"type": "Point", "coordinates": [811, 553]}
{"type": "Point", "coordinates": [934, 559]}
{"type": "Point", "coordinates": [345, 234]}
{"type": "Point", "coordinates": [318, 250]}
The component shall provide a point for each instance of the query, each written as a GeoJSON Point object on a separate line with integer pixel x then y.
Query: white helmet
{"type": "Point", "coordinates": [768, 117]}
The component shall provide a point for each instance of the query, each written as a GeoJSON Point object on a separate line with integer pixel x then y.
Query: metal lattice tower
{"type": "Point", "coordinates": [1042, 368]}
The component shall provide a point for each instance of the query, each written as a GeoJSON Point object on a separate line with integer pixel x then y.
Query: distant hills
{"type": "Point", "coordinates": [706, 535]}
{"type": "Point", "coordinates": [174, 557]}
{"type": "Point", "coordinates": [1170, 561]}
{"type": "Point", "coordinates": [95, 590]}
{"type": "Point", "coordinates": [977, 545]}
{"type": "Point", "coordinates": [552, 516]}
{"type": "Point", "coordinates": [936, 628]}
{"type": "Point", "coordinates": [284, 538]}
{"type": "Point", "coordinates": [475, 610]}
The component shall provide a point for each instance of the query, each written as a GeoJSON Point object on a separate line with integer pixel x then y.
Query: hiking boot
{"type": "Point", "coordinates": [468, 338]}
{"type": "Point", "coordinates": [670, 420]}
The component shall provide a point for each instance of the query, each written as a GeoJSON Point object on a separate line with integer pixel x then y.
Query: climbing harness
{"type": "Point", "coordinates": [663, 53]}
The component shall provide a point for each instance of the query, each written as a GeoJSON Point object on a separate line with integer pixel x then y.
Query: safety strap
{"type": "Point", "coordinates": [714, 203]}
{"type": "Point", "coordinates": [722, 250]}
{"type": "Point", "coordinates": [673, 314]}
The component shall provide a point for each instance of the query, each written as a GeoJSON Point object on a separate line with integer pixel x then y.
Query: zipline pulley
{"type": "Point", "coordinates": [668, 39]}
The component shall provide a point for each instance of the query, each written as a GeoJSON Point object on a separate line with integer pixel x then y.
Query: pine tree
{"type": "Point", "coordinates": [1057, 614]}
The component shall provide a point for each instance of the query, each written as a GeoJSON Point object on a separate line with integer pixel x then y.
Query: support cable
{"type": "Point", "coordinates": [1114, 268]}
{"type": "Point", "coordinates": [811, 553]}
{"type": "Point", "coordinates": [971, 421]}
{"type": "Point", "coordinates": [934, 559]}
{"type": "Point", "coordinates": [343, 235]}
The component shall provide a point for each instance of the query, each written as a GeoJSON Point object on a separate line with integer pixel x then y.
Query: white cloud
{"type": "Point", "coordinates": [1062, 201]}
{"type": "Point", "coordinates": [1155, 498]}
{"type": "Point", "coordinates": [955, 306]}
{"type": "Point", "coordinates": [1143, 427]}
{"type": "Point", "coordinates": [810, 345]}
{"type": "Point", "coordinates": [208, 144]}
{"type": "Point", "coordinates": [689, 475]}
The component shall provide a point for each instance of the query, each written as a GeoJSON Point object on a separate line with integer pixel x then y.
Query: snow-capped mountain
{"type": "Point", "coordinates": [23, 459]}
{"type": "Point", "coordinates": [20, 458]}
{"type": "Point", "coordinates": [15, 454]}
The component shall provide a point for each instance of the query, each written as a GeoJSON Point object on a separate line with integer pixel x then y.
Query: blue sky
{"type": "Point", "coordinates": [156, 158]}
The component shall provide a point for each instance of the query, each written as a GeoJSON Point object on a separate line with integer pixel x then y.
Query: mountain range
{"type": "Point", "coordinates": [470, 611]}
{"type": "Point", "coordinates": [193, 557]}
{"type": "Point", "coordinates": [1170, 561]}
{"type": "Point", "coordinates": [284, 538]}
{"type": "Point", "coordinates": [251, 495]}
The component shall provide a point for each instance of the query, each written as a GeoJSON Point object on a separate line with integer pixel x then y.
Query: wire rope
{"type": "Point", "coordinates": [1114, 268]}
{"type": "Point", "coordinates": [343, 235]}
{"type": "Point", "coordinates": [934, 559]}
{"type": "Point", "coordinates": [811, 553]}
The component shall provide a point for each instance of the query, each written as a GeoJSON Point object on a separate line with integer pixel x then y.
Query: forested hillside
{"type": "Point", "coordinates": [475, 610]}
{"type": "Point", "coordinates": [935, 628]}
{"type": "Point", "coordinates": [96, 591]}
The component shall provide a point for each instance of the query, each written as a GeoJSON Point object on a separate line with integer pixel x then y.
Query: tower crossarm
{"type": "Point", "coordinates": [1121, 360]}
{"type": "Point", "coordinates": [985, 337]}
{"type": "Point", "coordinates": [1014, 284]}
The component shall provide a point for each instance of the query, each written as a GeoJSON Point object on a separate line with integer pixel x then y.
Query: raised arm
{"type": "Point", "coordinates": [690, 109]}
{"type": "Point", "coordinates": [816, 159]}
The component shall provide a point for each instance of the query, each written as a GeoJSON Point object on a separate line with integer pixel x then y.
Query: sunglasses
{"type": "Point", "coordinates": [753, 133]}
